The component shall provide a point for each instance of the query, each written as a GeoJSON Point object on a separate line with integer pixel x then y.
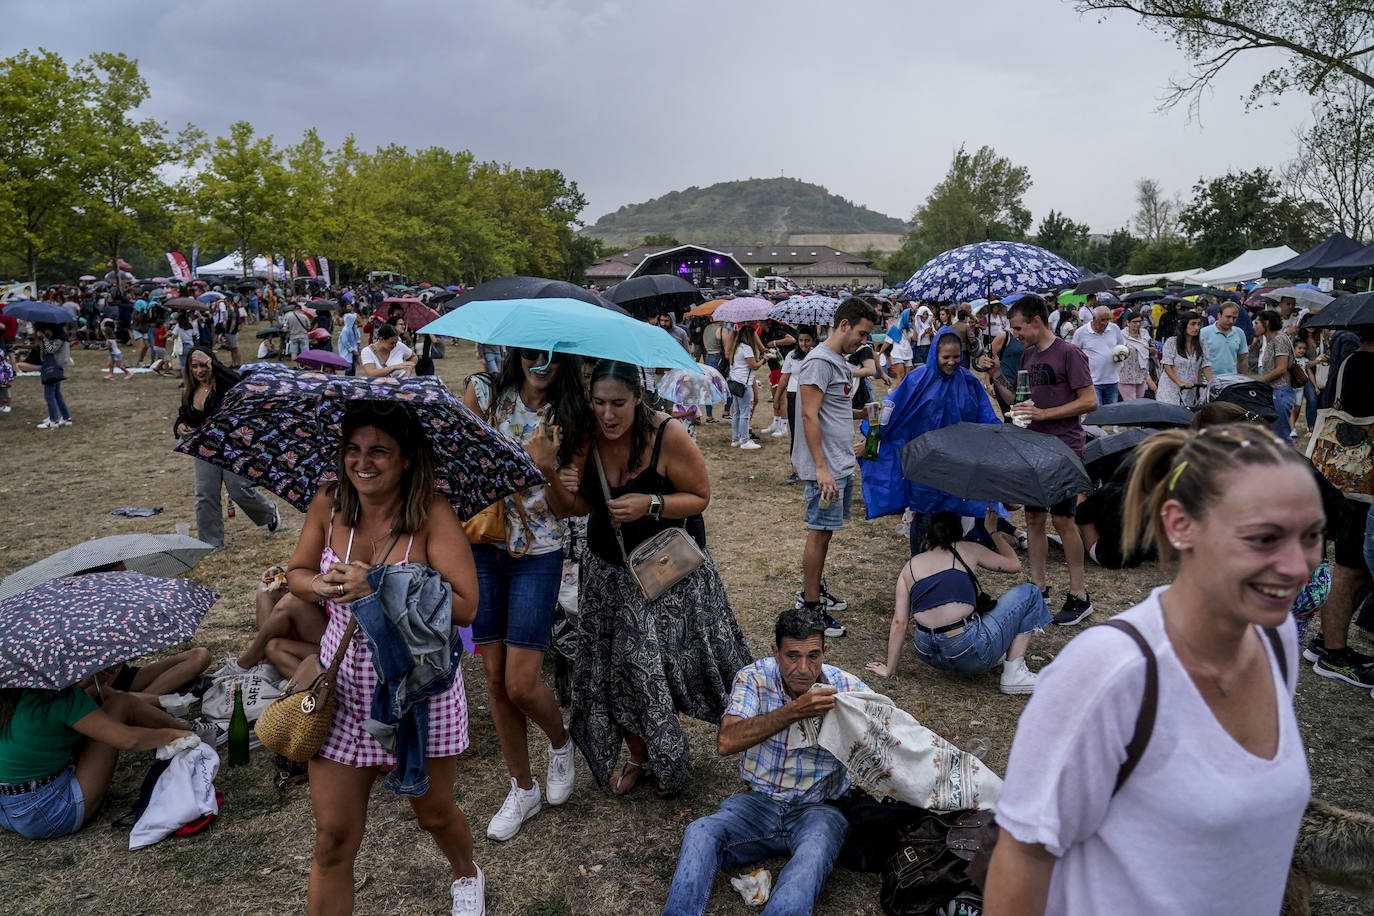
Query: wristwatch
{"type": "Point", "coordinates": [655, 507]}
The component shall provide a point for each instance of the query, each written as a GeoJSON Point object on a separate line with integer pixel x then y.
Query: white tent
{"type": "Point", "coordinates": [1249, 266]}
{"type": "Point", "coordinates": [1175, 276]}
{"type": "Point", "coordinates": [231, 265]}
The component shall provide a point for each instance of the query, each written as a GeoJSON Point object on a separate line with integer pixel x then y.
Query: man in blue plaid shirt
{"type": "Point", "coordinates": [772, 718]}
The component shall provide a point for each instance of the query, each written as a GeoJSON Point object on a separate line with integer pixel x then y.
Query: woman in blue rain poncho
{"type": "Point", "coordinates": [938, 394]}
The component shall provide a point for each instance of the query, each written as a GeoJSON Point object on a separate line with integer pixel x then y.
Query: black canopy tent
{"type": "Point", "coordinates": [1315, 261]}
{"type": "Point", "coordinates": [1359, 263]}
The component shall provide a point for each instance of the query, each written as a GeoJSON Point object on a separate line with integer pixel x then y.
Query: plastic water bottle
{"type": "Point", "coordinates": [238, 728]}
{"type": "Point", "coordinates": [978, 747]}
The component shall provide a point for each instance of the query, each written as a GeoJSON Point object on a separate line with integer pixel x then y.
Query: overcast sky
{"type": "Point", "coordinates": [632, 100]}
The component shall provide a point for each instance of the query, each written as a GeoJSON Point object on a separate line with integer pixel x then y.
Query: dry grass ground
{"type": "Point", "coordinates": [594, 855]}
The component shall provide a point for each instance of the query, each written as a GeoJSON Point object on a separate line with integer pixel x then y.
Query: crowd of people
{"type": "Point", "coordinates": [1230, 500]}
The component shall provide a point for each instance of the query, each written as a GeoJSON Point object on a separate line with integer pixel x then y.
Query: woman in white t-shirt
{"type": "Point", "coordinates": [746, 356]}
{"type": "Point", "coordinates": [1206, 823]}
{"type": "Point", "coordinates": [785, 402]}
{"type": "Point", "coordinates": [387, 356]}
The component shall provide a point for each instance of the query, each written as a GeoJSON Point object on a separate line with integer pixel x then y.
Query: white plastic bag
{"type": "Point", "coordinates": [259, 689]}
{"type": "Point", "coordinates": [185, 792]}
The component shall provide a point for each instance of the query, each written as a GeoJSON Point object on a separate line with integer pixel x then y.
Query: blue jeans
{"type": "Point", "coordinates": [1283, 405]}
{"type": "Point", "coordinates": [739, 420]}
{"type": "Point", "coordinates": [985, 637]}
{"type": "Point", "coordinates": [492, 361]}
{"type": "Point", "coordinates": [716, 361]}
{"type": "Point", "coordinates": [515, 598]}
{"type": "Point", "coordinates": [749, 827]}
{"type": "Point", "coordinates": [57, 407]}
{"type": "Point", "coordinates": [54, 810]}
{"type": "Point", "coordinates": [1107, 394]}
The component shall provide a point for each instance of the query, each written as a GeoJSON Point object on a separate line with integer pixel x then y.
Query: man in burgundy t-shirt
{"type": "Point", "coordinates": [1061, 393]}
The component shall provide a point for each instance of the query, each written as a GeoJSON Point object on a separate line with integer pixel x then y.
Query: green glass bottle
{"type": "Point", "coordinates": [872, 441]}
{"type": "Point", "coordinates": [1022, 387]}
{"type": "Point", "coordinates": [238, 729]}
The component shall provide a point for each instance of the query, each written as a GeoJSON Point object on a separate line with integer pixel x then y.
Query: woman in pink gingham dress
{"type": "Point", "coordinates": [384, 509]}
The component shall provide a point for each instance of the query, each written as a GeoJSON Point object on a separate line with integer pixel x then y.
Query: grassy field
{"type": "Point", "coordinates": [595, 854]}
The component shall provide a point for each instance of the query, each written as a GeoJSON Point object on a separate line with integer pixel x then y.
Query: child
{"type": "Point", "coordinates": [107, 331]}
{"type": "Point", "coordinates": [1301, 359]}
{"type": "Point", "coordinates": [161, 364]}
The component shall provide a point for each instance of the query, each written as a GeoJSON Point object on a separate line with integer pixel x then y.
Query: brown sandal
{"type": "Point", "coordinates": [630, 769]}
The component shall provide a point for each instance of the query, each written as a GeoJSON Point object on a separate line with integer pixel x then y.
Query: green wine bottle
{"type": "Point", "coordinates": [238, 729]}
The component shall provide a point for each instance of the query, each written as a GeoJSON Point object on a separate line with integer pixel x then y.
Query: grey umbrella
{"type": "Point", "coordinates": [162, 555]}
{"type": "Point", "coordinates": [995, 461]}
{"type": "Point", "coordinates": [1105, 446]}
{"type": "Point", "coordinates": [1140, 412]}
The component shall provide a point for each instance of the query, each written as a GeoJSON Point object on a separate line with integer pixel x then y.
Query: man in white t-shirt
{"type": "Point", "coordinates": [1098, 339]}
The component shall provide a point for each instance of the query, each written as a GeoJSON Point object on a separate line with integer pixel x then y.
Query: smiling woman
{"type": "Point", "coordinates": [1217, 796]}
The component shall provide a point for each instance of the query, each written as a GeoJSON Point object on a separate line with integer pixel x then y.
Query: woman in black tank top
{"type": "Point", "coordinates": [641, 663]}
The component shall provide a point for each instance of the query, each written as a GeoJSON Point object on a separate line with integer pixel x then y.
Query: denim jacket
{"type": "Point", "coordinates": [415, 650]}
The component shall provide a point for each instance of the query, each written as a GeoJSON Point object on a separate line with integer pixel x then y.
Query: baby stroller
{"type": "Point", "coordinates": [1255, 396]}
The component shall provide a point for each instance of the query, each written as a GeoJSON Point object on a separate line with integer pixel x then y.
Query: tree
{"type": "Point", "coordinates": [42, 108]}
{"type": "Point", "coordinates": [979, 198]}
{"type": "Point", "coordinates": [1244, 210]}
{"type": "Point", "coordinates": [1156, 218]}
{"type": "Point", "coordinates": [1320, 40]}
{"type": "Point", "coordinates": [1334, 168]}
{"type": "Point", "coordinates": [241, 190]}
{"type": "Point", "coordinates": [307, 216]}
{"type": "Point", "coordinates": [123, 192]}
{"type": "Point", "coordinates": [665, 239]}
{"type": "Point", "coordinates": [1113, 255]}
{"type": "Point", "coordinates": [1164, 257]}
{"type": "Point", "coordinates": [1062, 235]}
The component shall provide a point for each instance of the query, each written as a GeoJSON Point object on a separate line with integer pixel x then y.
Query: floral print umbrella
{"type": "Point", "coordinates": [988, 269]}
{"type": "Point", "coordinates": [279, 428]}
{"type": "Point", "coordinates": [53, 635]}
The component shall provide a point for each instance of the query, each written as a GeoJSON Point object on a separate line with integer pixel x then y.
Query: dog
{"type": "Point", "coordinates": [1335, 848]}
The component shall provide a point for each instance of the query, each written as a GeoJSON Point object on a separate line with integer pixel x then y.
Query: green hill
{"type": "Point", "coordinates": [742, 213]}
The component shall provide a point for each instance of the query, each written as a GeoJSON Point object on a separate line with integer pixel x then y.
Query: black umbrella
{"type": "Point", "coordinates": [649, 286]}
{"type": "Point", "coordinates": [273, 331]}
{"type": "Point", "coordinates": [1145, 295]}
{"type": "Point", "coordinates": [1097, 284]}
{"type": "Point", "coordinates": [1103, 455]}
{"type": "Point", "coordinates": [1140, 412]}
{"type": "Point", "coordinates": [1346, 312]}
{"type": "Point", "coordinates": [531, 288]}
{"type": "Point", "coordinates": [995, 461]}
{"type": "Point", "coordinates": [324, 305]}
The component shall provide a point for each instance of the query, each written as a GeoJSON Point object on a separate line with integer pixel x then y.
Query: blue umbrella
{"type": "Point", "coordinates": [42, 312]}
{"type": "Point", "coordinates": [986, 269]}
{"type": "Point", "coordinates": [564, 326]}
{"type": "Point", "coordinates": [56, 633]}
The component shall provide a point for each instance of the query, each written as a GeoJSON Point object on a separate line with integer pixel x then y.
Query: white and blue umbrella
{"type": "Point", "coordinates": [986, 269]}
{"type": "Point", "coordinates": [813, 310]}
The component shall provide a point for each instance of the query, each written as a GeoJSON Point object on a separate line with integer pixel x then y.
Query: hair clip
{"type": "Point", "coordinates": [1173, 478]}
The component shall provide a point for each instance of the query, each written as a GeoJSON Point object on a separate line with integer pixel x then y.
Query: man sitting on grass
{"type": "Point", "coordinates": [790, 779]}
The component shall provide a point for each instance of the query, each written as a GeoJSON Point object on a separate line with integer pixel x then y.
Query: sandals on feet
{"type": "Point", "coordinates": [630, 770]}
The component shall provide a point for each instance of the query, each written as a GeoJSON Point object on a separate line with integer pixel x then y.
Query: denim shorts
{"type": "Point", "coordinates": [985, 637]}
{"type": "Point", "coordinates": [833, 516]}
{"type": "Point", "coordinates": [54, 810]}
{"type": "Point", "coordinates": [515, 597]}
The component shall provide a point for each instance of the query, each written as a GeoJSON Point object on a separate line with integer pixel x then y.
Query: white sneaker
{"type": "Point", "coordinates": [781, 431]}
{"type": "Point", "coordinates": [520, 805]}
{"type": "Point", "coordinates": [66, 422]}
{"type": "Point", "coordinates": [230, 668]}
{"type": "Point", "coordinates": [562, 775]}
{"type": "Point", "coordinates": [48, 424]}
{"type": "Point", "coordinates": [734, 443]}
{"type": "Point", "coordinates": [470, 895]}
{"type": "Point", "coordinates": [1017, 678]}
{"type": "Point", "coordinates": [5, 409]}
{"type": "Point", "coordinates": [749, 444]}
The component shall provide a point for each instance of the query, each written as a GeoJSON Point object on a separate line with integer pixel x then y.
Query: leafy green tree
{"type": "Point", "coordinates": [1113, 255]}
{"type": "Point", "coordinates": [1243, 210]}
{"type": "Point", "coordinates": [1163, 257]}
{"type": "Point", "coordinates": [1320, 40]}
{"type": "Point", "coordinates": [1062, 235]}
{"type": "Point", "coordinates": [43, 107]}
{"type": "Point", "coordinates": [241, 190]}
{"type": "Point", "coordinates": [306, 214]}
{"type": "Point", "coordinates": [979, 198]}
{"type": "Point", "coordinates": [665, 239]}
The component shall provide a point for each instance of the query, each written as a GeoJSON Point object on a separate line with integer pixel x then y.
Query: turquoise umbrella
{"type": "Point", "coordinates": [564, 326]}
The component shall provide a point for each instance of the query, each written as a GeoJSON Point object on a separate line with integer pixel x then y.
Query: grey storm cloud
{"type": "Point", "coordinates": [632, 100]}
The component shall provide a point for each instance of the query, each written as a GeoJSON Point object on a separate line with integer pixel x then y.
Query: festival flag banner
{"type": "Point", "coordinates": [180, 269]}
{"type": "Point", "coordinates": [310, 268]}
{"type": "Point", "coordinates": [195, 259]}
{"type": "Point", "coordinates": [324, 270]}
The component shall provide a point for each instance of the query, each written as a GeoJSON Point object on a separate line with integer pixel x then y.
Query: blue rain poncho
{"type": "Point", "coordinates": [926, 399]}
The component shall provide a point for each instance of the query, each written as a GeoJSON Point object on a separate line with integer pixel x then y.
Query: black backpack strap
{"type": "Point", "coordinates": [1279, 654]}
{"type": "Point", "coordinates": [1149, 704]}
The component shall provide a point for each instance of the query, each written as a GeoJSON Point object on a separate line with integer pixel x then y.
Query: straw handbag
{"type": "Point", "coordinates": [295, 723]}
{"type": "Point", "coordinates": [489, 525]}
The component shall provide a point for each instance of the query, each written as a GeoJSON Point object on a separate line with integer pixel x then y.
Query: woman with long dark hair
{"type": "Point", "coordinates": [205, 382]}
{"type": "Point", "coordinates": [384, 509]}
{"type": "Point", "coordinates": [49, 359]}
{"type": "Point", "coordinates": [1187, 367]}
{"type": "Point", "coordinates": [641, 662]}
{"type": "Point", "coordinates": [536, 399]}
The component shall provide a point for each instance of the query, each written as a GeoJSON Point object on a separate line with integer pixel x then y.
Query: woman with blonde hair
{"type": "Point", "coordinates": [1165, 743]}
